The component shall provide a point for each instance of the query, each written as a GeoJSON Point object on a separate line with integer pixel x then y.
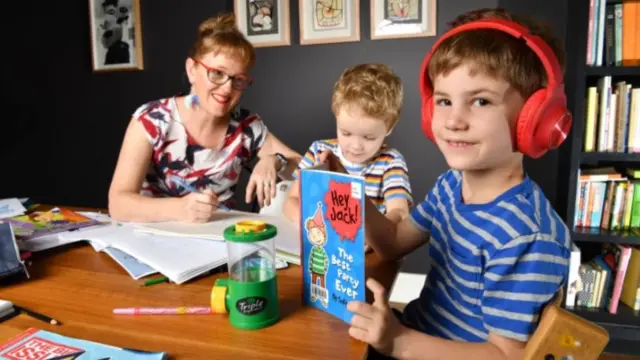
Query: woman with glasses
{"type": "Point", "coordinates": [181, 157]}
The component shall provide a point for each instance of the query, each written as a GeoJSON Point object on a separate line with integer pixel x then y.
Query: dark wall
{"type": "Point", "coordinates": [66, 123]}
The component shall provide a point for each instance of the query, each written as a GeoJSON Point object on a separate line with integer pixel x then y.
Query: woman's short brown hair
{"type": "Point", "coordinates": [219, 34]}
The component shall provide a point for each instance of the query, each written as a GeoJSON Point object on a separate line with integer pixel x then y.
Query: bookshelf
{"type": "Point", "coordinates": [624, 326]}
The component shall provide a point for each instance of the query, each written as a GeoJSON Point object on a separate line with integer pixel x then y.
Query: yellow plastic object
{"type": "Point", "coordinates": [218, 297]}
{"type": "Point", "coordinates": [249, 226]}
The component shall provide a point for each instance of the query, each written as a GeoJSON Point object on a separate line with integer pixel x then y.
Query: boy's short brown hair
{"type": "Point", "coordinates": [373, 88]}
{"type": "Point", "coordinates": [496, 53]}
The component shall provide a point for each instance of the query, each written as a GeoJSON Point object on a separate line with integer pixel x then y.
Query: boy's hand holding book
{"type": "Point", "coordinates": [331, 160]}
{"type": "Point", "coordinates": [376, 324]}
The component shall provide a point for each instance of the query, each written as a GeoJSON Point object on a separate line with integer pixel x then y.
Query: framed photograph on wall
{"type": "Point", "coordinates": [329, 21]}
{"type": "Point", "coordinates": [116, 35]}
{"type": "Point", "coordinates": [264, 22]}
{"type": "Point", "coordinates": [392, 19]}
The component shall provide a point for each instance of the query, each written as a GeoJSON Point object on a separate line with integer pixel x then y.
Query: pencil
{"type": "Point", "coordinates": [38, 316]}
{"type": "Point", "coordinates": [156, 281]}
{"type": "Point", "coordinates": [180, 181]}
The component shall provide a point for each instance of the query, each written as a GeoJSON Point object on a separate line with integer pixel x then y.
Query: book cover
{"type": "Point", "coordinates": [332, 228]}
{"type": "Point", "coordinates": [39, 223]}
{"type": "Point", "coordinates": [36, 344]}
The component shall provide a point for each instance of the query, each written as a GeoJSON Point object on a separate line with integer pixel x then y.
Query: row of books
{"type": "Point", "coordinates": [613, 117]}
{"type": "Point", "coordinates": [613, 35]}
{"type": "Point", "coordinates": [611, 277]}
{"type": "Point", "coordinates": [607, 199]}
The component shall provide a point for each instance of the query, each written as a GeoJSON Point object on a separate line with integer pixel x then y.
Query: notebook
{"type": "Point", "coordinates": [287, 241]}
{"type": "Point", "coordinates": [178, 258]}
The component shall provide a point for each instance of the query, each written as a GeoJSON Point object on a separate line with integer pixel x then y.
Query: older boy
{"type": "Point", "coordinates": [366, 102]}
{"type": "Point", "coordinates": [499, 251]}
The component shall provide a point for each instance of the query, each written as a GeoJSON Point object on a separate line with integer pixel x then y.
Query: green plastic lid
{"type": "Point", "coordinates": [249, 231]}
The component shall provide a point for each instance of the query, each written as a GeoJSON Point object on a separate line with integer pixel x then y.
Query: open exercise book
{"type": "Point", "coordinates": [332, 223]}
{"type": "Point", "coordinates": [287, 239]}
{"type": "Point", "coordinates": [180, 251]}
{"type": "Point", "coordinates": [178, 258]}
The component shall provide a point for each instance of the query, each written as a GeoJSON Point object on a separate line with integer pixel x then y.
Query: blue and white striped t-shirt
{"type": "Point", "coordinates": [386, 175]}
{"type": "Point", "coordinates": [494, 265]}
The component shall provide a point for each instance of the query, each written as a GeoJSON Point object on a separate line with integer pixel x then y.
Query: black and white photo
{"type": "Point", "coordinates": [264, 22]}
{"type": "Point", "coordinates": [116, 39]}
{"type": "Point", "coordinates": [393, 19]}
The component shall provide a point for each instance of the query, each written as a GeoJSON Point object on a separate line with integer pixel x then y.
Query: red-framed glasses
{"type": "Point", "coordinates": [219, 77]}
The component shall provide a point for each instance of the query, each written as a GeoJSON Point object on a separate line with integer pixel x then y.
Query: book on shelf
{"type": "Point", "coordinates": [332, 227]}
{"type": "Point", "coordinates": [613, 33]}
{"type": "Point", "coordinates": [612, 117]}
{"type": "Point", "coordinates": [37, 344]}
{"type": "Point", "coordinates": [607, 199]}
{"type": "Point", "coordinates": [610, 277]}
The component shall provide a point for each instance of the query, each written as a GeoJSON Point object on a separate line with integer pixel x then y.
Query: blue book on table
{"type": "Point", "coordinates": [332, 228]}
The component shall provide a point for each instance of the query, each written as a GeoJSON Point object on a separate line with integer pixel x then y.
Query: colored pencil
{"type": "Point", "coordinates": [156, 281]}
{"type": "Point", "coordinates": [190, 188]}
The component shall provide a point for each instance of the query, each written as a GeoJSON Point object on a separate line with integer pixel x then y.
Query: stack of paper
{"type": "Point", "coordinates": [180, 251]}
{"type": "Point", "coordinates": [178, 258]}
{"type": "Point", "coordinates": [287, 241]}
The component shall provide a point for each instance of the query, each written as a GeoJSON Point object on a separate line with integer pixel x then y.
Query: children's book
{"type": "Point", "coordinates": [40, 223]}
{"type": "Point", "coordinates": [332, 228]}
{"type": "Point", "coordinates": [36, 344]}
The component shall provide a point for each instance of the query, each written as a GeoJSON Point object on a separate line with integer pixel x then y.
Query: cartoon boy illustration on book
{"type": "Point", "coordinates": [318, 260]}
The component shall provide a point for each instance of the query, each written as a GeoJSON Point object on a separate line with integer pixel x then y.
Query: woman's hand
{"type": "Point", "coordinates": [198, 207]}
{"type": "Point", "coordinates": [263, 180]}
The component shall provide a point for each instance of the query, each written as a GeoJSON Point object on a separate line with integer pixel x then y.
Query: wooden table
{"type": "Point", "coordinates": [80, 287]}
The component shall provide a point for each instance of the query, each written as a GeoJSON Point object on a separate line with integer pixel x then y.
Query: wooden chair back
{"type": "Point", "coordinates": [562, 335]}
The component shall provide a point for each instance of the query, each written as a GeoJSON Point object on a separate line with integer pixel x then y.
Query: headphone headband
{"type": "Point", "coordinates": [534, 42]}
{"type": "Point", "coordinates": [544, 120]}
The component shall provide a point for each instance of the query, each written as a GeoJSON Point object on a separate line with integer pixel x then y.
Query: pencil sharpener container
{"type": "Point", "coordinates": [250, 294]}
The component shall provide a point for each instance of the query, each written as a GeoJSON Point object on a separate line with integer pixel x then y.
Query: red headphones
{"type": "Point", "coordinates": [544, 121]}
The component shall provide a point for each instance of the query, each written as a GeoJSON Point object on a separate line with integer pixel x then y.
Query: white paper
{"type": "Point", "coordinates": [407, 287]}
{"type": "Point", "coordinates": [287, 240]}
{"type": "Point", "coordinates": [178, 258]}
{"type": "Point", "coordinates": [131, 265]}
{"type": "Point", "coordinates": [10, 208]}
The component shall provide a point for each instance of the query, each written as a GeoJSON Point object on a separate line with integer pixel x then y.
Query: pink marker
{"type": "Point", "coordinates": [164, 311]}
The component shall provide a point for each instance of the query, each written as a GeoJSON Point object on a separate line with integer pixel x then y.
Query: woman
{"type": "Point", "coordinates": [199, 141]}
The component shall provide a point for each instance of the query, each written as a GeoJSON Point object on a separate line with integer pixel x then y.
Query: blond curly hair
{"type": "Point", "coordinates": [374, 88]}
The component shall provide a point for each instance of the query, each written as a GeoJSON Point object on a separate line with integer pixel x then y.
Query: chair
{"type": "Point", "coordinates": [562, 335]}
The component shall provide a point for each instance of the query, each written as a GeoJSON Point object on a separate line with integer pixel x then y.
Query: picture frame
{"type": "Point", "coordinates": [265, 23]}
{"type": "Point", "coordinates": [116, 35]}
{"type": "Point", "coordinates": [393, 19]}
{"type": "Point", "coordinates": [329, 21]}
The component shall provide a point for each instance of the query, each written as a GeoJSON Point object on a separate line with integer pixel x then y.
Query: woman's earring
{"type": "Point", "coordinates": [191, 101]}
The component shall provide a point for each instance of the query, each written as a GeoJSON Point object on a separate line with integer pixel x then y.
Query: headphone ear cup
{"type": "Point", "coordinates": [528, 122]}
{"type": "Point", "coordinates": [427, 116]}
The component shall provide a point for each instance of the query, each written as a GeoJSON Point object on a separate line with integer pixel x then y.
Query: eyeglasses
{"type": "Point", "coordinates": [219, 77]}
